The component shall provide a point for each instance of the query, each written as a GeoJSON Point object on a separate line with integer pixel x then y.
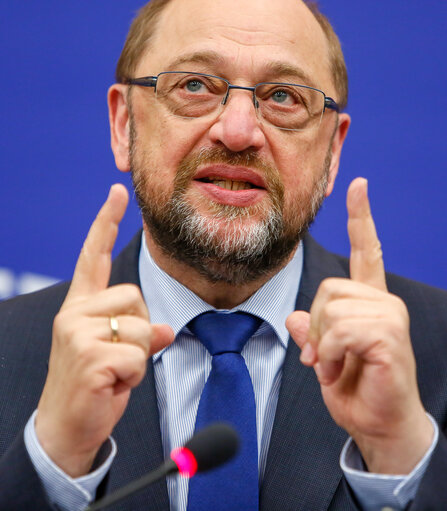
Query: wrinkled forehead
{"type": "Point", "coordinates": [246, 35]}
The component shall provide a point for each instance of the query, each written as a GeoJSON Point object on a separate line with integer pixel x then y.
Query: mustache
{"type": "Point", "coordinates": [247, 158]}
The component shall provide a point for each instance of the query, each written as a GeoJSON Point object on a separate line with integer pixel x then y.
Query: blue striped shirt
{"type": "Point", "coordinates": [182, 369]}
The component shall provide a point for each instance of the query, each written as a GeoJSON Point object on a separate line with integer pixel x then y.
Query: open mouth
{"type": "Point", "coordinates": [228, 184]}
{"type": "Point", "coordinates": [233, 185]}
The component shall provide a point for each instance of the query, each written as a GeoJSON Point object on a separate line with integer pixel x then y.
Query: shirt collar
{"type": "Point", "coordinates": [170, 302]}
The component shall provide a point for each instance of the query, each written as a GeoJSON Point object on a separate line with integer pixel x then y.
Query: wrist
{"type": "Point", "coordinates": [399, 450]}
{"type": "Point", "coordinates": [71, 461]}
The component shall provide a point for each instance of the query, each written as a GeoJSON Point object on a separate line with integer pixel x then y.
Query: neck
{"type": "Point", "coordinates": [220, 295]}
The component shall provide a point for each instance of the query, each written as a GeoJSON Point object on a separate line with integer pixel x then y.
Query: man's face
{"type": "Point", "coordinates": [231, 195]}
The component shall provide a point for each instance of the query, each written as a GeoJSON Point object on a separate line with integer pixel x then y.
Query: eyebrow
{"type": "Point", "coordinates": [277, 69]}
{"type": "Point", "coordinates": [281, 69]}
{"type": "Point", "coordinates": [202, 57]}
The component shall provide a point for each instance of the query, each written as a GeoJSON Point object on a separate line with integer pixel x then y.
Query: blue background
{"type": "Point", "coordinates": [58, 59]}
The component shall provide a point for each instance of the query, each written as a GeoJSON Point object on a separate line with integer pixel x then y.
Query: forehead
{"type": "Point", "coordinates": [247, 35]}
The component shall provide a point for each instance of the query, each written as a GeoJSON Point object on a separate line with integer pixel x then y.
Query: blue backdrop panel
{"type": "Point", "coordinates": [58, 59]}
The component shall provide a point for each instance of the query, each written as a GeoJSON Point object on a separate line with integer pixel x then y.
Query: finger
{"type": "Point", "coordinates": [151, 338]}
{"type": "Point", "coordinates": [366, 339]}
{"type": "Point", "coordinates": [341, 309]}
{"type": "Point", "coordinates": [162, 336]}
{"type": "Point", "coordinates": [125, 363]}
{"type": "Point", "coordinates": [112, 301]}
{"type": "Point", "coordinates": [93, 267]}
{"type": "Point", "coordinates": [335, 289]}
{"type": "Point", "coordinates": [130, 330]}
{"type": "Point", "coordinates": [345, 324]}
{"type": "Point", "coordinates": [366, 261]}
{"type": "Point", "coordinates": [329, 371]}
{"type": "Point", "coordinates": [298, 326]}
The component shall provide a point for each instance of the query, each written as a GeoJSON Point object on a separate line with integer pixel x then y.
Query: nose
{"type": "Point", "coordinates": [238, 127]}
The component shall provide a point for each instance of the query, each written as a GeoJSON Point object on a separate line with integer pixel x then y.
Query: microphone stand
{"type": "Point", "coordinates": [168, 467]}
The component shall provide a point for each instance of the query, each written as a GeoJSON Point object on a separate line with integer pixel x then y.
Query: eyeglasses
{"type": "Point", "coordinates": [287, 106]}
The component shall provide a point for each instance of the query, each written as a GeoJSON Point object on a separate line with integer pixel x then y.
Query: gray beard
{"type": "Point", "coordinates": [242, 255]}
{"type": "Point", "coordinates": [241, 251]}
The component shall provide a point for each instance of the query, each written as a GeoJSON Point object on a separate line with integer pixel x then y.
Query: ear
{"type": "Point", "coordinates": [119, 125]}
{"type": "Point", "coordinates": [344, 121]}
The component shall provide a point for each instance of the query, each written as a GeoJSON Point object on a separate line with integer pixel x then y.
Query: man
{"type": "Point", "coordinates": [228, 177]}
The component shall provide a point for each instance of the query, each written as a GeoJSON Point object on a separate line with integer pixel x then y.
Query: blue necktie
{"type": "Point", "coordinates": [227, 396]}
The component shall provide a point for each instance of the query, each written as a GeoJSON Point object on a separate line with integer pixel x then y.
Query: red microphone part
{"type": "Point", "coordinates": [185, 461]}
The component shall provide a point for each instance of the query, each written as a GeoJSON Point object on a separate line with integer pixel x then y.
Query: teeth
{"type": "Point", "coordinates": [232, 185]}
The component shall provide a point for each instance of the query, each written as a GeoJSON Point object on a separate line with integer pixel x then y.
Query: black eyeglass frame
{"type": "Point", "coordinates": [151, 81]}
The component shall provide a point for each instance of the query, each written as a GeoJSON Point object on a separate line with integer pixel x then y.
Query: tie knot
{"type": "Point", "coordinates": [221, 332]}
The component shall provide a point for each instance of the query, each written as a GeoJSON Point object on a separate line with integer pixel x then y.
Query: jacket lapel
{"type": "Point", "coordinates": [302, 469]}
{"type": "Point", "coordinates": [137, 434]}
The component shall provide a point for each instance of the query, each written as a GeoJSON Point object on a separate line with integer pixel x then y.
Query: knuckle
{"type": "Point", "coordinates": [86, 252]}
{"type": "Point", "coordinates": [340, 330]}
{"type": "Point", "coordinates": [388, 360]}
{"type": "Point", "coordinates": [327, 287]}
{"type": "Point", "coordinates": [58, 323]}
{"type": "Point", "coordinates": [330, 312]}
{"type": "Point", "coordinates": [372, 255]}
{"type": "Point", "coordinates": [397, 331]}
{"type": "Point", "coordinates": [401, 309]}
{"type": "Point", "coordinates": [144, 341]}
{"type": "Point", "coordinates": [85, 354]}
{"type": "Point", "coordinates": [64, 326]}
{"type": "Point", "coordinates": [131, 292]}
{"type": "Point", "coordinates": [400, 303]}
{"type": "Point", "coordinates": [376, 250]}
{"type": "Point", "coordinates": [328, 347]}
{"type": "Point", "coordinates": [140, 361]}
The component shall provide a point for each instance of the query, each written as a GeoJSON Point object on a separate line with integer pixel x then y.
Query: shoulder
{"type": "Point", "coordinates": [38, 304]}
{"type": "Point", "coordinates": [417, 293]}
{"type": "Point", "coordinates": [427, 309]}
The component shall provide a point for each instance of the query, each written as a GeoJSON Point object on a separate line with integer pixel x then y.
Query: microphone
{"type": "Point", "coordinates": [207, 449]}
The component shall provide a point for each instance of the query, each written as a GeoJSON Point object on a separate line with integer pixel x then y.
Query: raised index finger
{"type": "Point", "coordinates": [366, 261]}
{"type": "Point", "coordinates": [93, 267]}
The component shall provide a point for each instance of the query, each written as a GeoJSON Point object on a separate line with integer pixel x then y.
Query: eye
{"type": "Point", "coordinates": [281, 96]}
{"type": "Point", "coordinates": [195, 85]}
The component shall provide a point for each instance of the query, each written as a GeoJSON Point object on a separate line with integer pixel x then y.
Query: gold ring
{"type": "Point", "coordinates": [114, 328]}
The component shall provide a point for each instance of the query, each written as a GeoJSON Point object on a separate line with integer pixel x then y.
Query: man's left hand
{"type": "Point", "coordinates": [357, 339]}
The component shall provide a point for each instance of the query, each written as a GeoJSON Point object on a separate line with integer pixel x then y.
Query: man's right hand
{"type": "Point", "coordinates": [90, 378]}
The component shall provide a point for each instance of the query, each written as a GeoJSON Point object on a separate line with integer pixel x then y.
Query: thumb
{"type": "Point", "coordinates": [298, 324]}
{"type": "Point", "coordinates": [162, 336]}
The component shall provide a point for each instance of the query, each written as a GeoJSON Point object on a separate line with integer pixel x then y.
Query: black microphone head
{"type": "Point", "coordinates": [213, 445]}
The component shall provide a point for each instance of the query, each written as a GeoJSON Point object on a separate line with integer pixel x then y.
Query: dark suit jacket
{"type": "Point", "coordinates": [302, 472]}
